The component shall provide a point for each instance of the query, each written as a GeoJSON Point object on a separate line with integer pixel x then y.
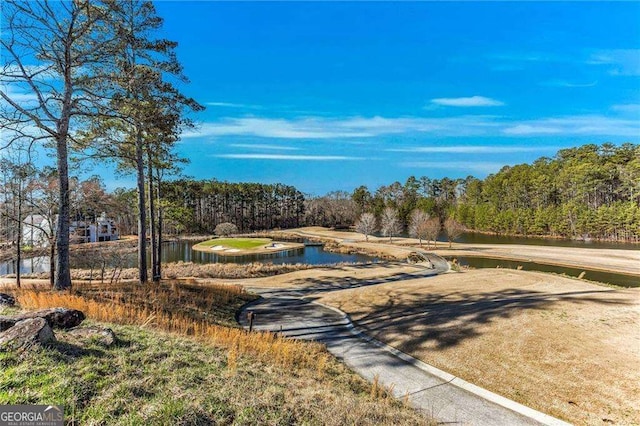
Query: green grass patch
{"type": "Point", "coordinates": [155, 378]}
{"type": "Point", "coordinates": [237, 243]}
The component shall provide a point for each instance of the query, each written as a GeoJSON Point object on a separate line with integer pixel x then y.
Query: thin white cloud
{"type": "Point", "coordinates": [320, 128]}
{"type": "Point", "coordinates": [466, 166]}
{"type": "Point", "coordinates": [351, 127]}
{"type": "Point", "coordinates": [624, 62]}
{"type": "Point", "coordinates": [627, 108]}
{"type": "Point", "coordinates": [289, 157]}
{"type": "Point", "coordinates": [590, 125]}
{"type": "Point", "coordinates": [529, 129]}
{"type": "Point", "coordinates": [568, 84]}
{"type": "Point", "coordinates": [308, 128]}
{"type": "Point", "coordinates": [18, 95]}
{"type": "Point", "coordinates": [472, 101]}
{"type": "Point", "coordinates": [232, 105]}
{"type": "Point", "coordinates": [477, 149]}
{"type": "Point", "coordinates": [263, 146]}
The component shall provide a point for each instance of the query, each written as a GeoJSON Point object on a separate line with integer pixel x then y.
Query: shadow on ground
{"type": "Point", "coordinates": [447, 319]}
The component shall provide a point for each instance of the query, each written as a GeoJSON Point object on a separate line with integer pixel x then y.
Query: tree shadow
{"type": "Point", "coordinates": [447, 319]}
{"type": "Point", "coordinates": [68, 353]}
{"type": "Point", "coordinates": [323, 284]}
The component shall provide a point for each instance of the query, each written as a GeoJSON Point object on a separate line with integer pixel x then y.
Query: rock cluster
{"type": "Point", "coordinates": [25, 330]}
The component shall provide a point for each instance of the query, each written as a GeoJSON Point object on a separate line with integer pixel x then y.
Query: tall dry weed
{"type": "Point", "coordinates": [266, 346]}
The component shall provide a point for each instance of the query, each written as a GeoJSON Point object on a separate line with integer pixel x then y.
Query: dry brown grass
{"type": "Point", "coordinates": [565, 347]}
{"type": "Point", "coordinates": [124, 308]}
{"type": "Point", "coordinates": [176, 270]}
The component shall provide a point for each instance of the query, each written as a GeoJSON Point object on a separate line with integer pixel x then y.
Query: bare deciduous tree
{"type": "Point", "coordinates": [366, 225]}
{"type": "Point", "coordinates": [417, 225]}
{"type": "Point", "coordinates": [431, 229]}
{"type": "Point", "coordinates": [18, 171]}
{"type": "Point", "coordinates": [45, 100]}
{"type": "Point", "coordinates": [225, 229]}
{"type": "Point", "coordinates": [453, 228]}
{"type": "Point", "coordinates": [390, 223]}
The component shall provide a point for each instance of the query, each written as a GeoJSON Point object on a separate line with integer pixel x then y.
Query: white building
{"type": "Point", "coordinates": [35, 231]}
{"type": "Point", "coordinates": [36, 228]}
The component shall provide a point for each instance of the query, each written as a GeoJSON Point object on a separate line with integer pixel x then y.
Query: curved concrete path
{"type": "Point", "coordinates": [438, 394]}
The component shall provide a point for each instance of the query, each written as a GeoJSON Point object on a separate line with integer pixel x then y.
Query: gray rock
{"type": "Point", "coordinates": [6, 323]}
{"type": "Point", "coordinates": [7, 300]}
{"type": "Point", "coordinates": [27, 333]}
{"type": "Point", "coordinates": [56, 317]}
{"type": "Point", "coordinates": [103, 336]}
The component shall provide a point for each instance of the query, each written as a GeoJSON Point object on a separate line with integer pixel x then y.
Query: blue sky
{"type": "Point", "coordinates": [329, 96]}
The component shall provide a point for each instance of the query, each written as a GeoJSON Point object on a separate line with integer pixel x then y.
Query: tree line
{"type": "Point", "coordinates": [592, 191]}
{"type": "Point", "coordinates": [199, 206]}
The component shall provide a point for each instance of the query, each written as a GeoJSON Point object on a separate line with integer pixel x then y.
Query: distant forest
{"type": "Point", "coordinates": [592, 191]}
{"type": "Point", "coordinates": [198, 206]}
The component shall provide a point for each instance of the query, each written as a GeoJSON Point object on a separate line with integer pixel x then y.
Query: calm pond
{"type": "Point", "coordinates": [181, 251]}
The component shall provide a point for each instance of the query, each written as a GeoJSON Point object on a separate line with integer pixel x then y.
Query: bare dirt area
{"type": "Point", "coordinates": [562, 346]}
{"type": "Point", "coordinates": [607, 260]}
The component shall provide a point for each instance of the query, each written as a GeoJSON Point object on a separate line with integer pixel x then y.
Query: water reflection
{"type": "Point", "coordinates": [313, 255]}
{"type": "Point", "coordinates": [27, 266]}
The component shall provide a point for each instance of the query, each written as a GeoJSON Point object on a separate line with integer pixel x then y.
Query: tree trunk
{"type": "Point", "coordinates": [159, 265]}
{"type": "Point", "coordinates": [19, 236]}
{"type": "Point", "coordinates": [152, 222]}
{"type": "Point", "coordinates": [63, 273]}
{"type": "Point", "coordinates": [52, 262]}
{"type": "Point", "coordinates": [142, 213]}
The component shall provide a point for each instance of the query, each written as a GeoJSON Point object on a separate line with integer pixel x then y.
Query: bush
{"type": "Point", "coordinates": [225, 229]}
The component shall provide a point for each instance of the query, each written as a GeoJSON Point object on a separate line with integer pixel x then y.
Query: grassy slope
{"type": "Point", "coordinates": [237, 243]}
{"type": "Point", "coordinates": [151, 377]}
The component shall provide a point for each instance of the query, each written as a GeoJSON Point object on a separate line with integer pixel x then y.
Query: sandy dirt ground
{"type": "Point", "coordinates": [560, 345]}
{"type": "Point", "coordinates": [608, 260]}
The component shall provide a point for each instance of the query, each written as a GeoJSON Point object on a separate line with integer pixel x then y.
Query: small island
{"type": "Point", "coordinates": [245, 246]}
